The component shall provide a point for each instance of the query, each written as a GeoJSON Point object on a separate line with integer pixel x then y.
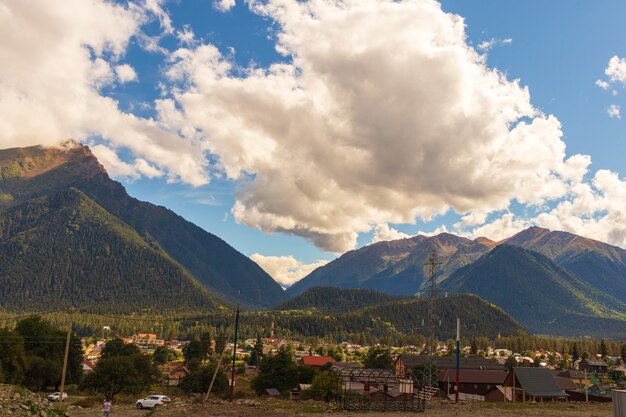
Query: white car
{"type": "Point", "coordinates": [56, 396]}
{"type": "Point", "coordinates": [152, 401]}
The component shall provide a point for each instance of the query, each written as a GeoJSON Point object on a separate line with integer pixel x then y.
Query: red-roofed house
{"type": "Point", "coordinates": [316, 362]}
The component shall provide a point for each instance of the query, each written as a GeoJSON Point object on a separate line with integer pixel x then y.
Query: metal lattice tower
{"type": "Point", "coordinates": [429, 375]}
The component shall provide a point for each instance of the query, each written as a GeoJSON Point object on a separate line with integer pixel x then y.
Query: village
{"type": "Point", "coordinates": [492, 376]}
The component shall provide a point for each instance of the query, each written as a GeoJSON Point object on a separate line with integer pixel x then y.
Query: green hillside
{"type": "Point", "coordinates": [27, 173]}
{"type": "Point", "coordinates": [64, 250]}
{"type": "Point", "coordinates": [393, 319]}
{"type": "Point", "coordinates": [336, 299]}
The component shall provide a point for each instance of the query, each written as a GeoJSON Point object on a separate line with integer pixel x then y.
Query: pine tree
{"type": "Point", "coordinates": [575, 356]}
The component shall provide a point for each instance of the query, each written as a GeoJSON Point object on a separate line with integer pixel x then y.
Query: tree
{"type": "Point", "coordinates": [623, 353]}
{"type": "Point", "coordinates": [44, 341]}
{"type": "Point", "coordinates": [615, 375]}
{"type": "Point", "coordinates": [511, 362]}
{"type": "Point", "coordinates": [121, 370]}
{"type": "Point", "coordinates": [575, 354]}
{"type": "Point", "coordinates": [278, 372]}
{"type": "Point", "coordinates": [322, 384]}
{"type": "Point", "coordinates": [42, 373]}
{"type": "Point", "coordinates": [603, 350]}
{"type": "Point", "coordinates": [163, 355]}
{"type": "Point", "coordinates": [474, 347]}
{"type": "Point", "coordinates": [195, 350]}
{"type": "Point", "coordinates": [116, 347]}
{"type": "Point", "coordinates": [198, 381]}
{"type": "Point", "coordinates": [585, 355]}
{"type": "Point", "coordinates": [256, 355]}
{"type": "Point", "coordinates": [12, 357]}
{"type": "Point", "coordinates": [378, 358]}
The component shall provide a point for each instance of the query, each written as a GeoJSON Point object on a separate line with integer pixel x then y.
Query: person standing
{"type": "Point", "coordinates": [106, 408]}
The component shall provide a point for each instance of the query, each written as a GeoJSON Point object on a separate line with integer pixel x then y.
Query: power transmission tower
{"type": "Point", "coordinates": [429, 375]}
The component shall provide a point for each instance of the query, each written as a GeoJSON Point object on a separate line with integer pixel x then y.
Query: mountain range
{"type": "Point", "coordinates": [551, 282]}
{"type": "Point", "coordinates": [72, 236]}
{"type": "Point", "coordinates": [66, 228]}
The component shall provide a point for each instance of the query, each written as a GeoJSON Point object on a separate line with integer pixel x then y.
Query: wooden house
{"type": "Point", "coordinates": [533, 384]}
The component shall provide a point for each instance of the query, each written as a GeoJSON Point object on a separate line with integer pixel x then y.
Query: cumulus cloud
{"type": "Point", "coordinates": [223, 5]}
{"type": "Point", "coordinates": [594, 209]}
{"type": "Point", "coordinates": [603, 84]}
{"type": "Point", "coordinates": [487, 45]}
{"type": "Point", "coordinates": [383, 232]}
{"type": "Point", "coordinates": [125, 73]}
{"type": "Point", "coordinates": [286, 270]}
{"type": "Point", "coordinates": [120, 169]}
{"type": "Point", "coordinates": [616, 69]}
{"type": "Point", "coordinates": [614, 111]}
{"type": "Point", "coordinates": [340, 138]}
{"type": "Point", "coordinates": [54, 62]}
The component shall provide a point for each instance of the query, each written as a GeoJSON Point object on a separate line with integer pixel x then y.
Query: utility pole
{"type": "Point", "coordinates": [232, 375]}
{"type": "Point", "coordinates": [65, 357]}
{"type": "Point", "coordinates": [458, 356]}
{"type": "Point", "coordinates": [217, 368]}
{"type": "Point", "coordinates": [430, 377]}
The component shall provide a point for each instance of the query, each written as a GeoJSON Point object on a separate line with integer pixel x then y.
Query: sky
{"type": "Point", "coordinates": [299, 130]}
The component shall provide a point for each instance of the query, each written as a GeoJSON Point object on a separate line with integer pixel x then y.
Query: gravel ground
{"type": "Point", "coordinates": [277, 408]}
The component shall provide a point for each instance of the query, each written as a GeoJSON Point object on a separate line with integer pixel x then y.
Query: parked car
{"type": "Point", "coordinates": [56, 396]}
{"type": "Point", "coordinates": [152, 401]}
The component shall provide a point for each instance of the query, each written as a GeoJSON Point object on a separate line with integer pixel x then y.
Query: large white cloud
{"type": "Point", "coordinates": [365, 125]}
{"type": "Point", "coordinates": [55, 58]}
{"type": "Point", "coordinates": [285, 269]}
{"type": "Point", "coordinates": [592, 209]}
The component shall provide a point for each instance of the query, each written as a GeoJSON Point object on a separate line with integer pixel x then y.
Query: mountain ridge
{"type": "Point", "coordinates": [28, 173]}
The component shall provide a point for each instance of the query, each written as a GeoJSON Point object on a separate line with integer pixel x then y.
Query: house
{"type": "Point", "coordinates": [578, 377]}
{"type": "Point", "coordinates": [533, 384]}
{"type": "Point", "coordinates": [87, 366]}
{"type": "Point", "coordinates": [316, 362]}
{"type": "Point", "coordinates": [146, 341]}
{"type": "Point", "coordinates": [566, 384]}
{"type": "Point", "coordinates": [595, 366]}
{"type": "Point", "coordinates": [173, 372]}
{"type": "Point", "coordinates": [471, 381]}
{"type": "Point", "coordinates": [405, 364]}
{"type": "Point", "coordinates": [499, 394]}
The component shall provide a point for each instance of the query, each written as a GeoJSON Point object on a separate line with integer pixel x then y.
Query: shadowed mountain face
{"type": "Point", "coordinates": [29, 173]}
{"type": "Point", "coordinates": [543, 296]}
{"type": "Point", "coordinates": [601, 265]}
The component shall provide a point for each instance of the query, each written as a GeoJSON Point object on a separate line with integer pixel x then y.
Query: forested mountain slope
{"type": "Point", "coordinates": [63, 250]}
{"type": "Point", "coordinates": [27, 173]}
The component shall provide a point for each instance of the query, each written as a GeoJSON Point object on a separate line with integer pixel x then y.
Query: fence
{"type": "Point", "coordinates": [358, 389]}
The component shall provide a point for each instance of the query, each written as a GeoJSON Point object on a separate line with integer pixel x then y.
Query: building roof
{"type": "Point", "coordinates": [474, 376]}
{"type": "Point", "coordinates": [316, 360]}
{"type": "Point", "coordinates": [595, 362]}
{"type": "Point", "coordinates": [537, 382]}
{"type": "Point", "coordinates": [273, 392]}
{"type": "Point", "coordinates": [449, 362]}
{"type": "Point", "coordinates": [146, 336]}
{"type": "Point", "coordinates": [566, 384]}
{"type": "Point", "coordinates": [572, 374]}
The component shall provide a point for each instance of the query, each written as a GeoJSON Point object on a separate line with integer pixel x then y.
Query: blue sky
{"type": "Point", "coordinates": [232, 154]}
